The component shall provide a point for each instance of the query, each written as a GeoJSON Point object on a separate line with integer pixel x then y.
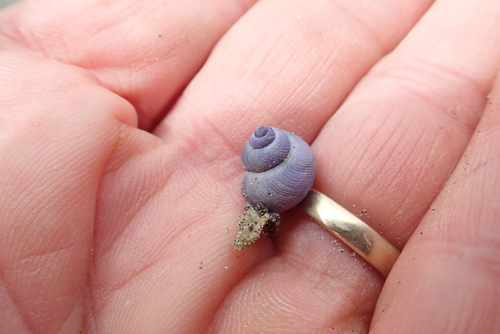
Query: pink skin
{"type": "Point", "coordinates": [107, 228]}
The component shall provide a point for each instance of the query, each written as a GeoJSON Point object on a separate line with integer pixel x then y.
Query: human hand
{"type": "Point", "coordinates": [118, 207]}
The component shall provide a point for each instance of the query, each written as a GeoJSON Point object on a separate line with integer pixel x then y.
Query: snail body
{"type": "Point", "coordinates": [280, 172]}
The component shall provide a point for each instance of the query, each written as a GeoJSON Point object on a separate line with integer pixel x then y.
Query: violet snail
{"type": "Point", "coordinates": [280, 172]}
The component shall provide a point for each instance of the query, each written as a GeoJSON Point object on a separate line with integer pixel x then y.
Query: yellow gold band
{"type": "Point", "coordinates": [356, 234]}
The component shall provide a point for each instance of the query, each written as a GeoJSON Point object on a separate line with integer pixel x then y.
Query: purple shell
{"type": "Point", "coordinates": [280, 169]}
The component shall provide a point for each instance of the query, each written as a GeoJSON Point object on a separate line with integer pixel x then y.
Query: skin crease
{"type": "Point", "coordinates": [118, 206]}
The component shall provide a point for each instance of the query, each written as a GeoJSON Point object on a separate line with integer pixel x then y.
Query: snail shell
{"type": "Point", "coordinates": [280, 169]}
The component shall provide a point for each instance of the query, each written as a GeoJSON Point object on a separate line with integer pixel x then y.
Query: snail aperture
{"type": "Point", "coordinates": [280, 171]}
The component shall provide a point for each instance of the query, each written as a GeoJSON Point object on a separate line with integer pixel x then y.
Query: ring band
{"type": "Point", "coordinates": [356, 234]}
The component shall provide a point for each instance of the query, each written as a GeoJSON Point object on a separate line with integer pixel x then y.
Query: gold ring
{"type": "Point", "coordinates": [356, 234]}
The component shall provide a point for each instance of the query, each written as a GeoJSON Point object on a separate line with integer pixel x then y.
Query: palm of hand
{"type": "Point", "coordinates": [108, 228]}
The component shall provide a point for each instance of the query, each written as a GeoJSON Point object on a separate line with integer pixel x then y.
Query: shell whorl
{"type": "Point", "coordinates": [280, 169]}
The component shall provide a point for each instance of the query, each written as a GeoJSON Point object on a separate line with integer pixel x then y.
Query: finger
{"type": "Point", "coordinates": [144, 51]}
{"type": "Point", "coordinates": [395, 141]}
{"type": "Point", "coordinates": [294, 72]}
{"type": "Point", "coordinates": [54, 142]}
{"type": "Point", "coordinates": [446, 280]}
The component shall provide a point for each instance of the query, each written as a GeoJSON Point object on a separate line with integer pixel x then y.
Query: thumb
{"type": "Point", "coordinates": [54, 142]}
